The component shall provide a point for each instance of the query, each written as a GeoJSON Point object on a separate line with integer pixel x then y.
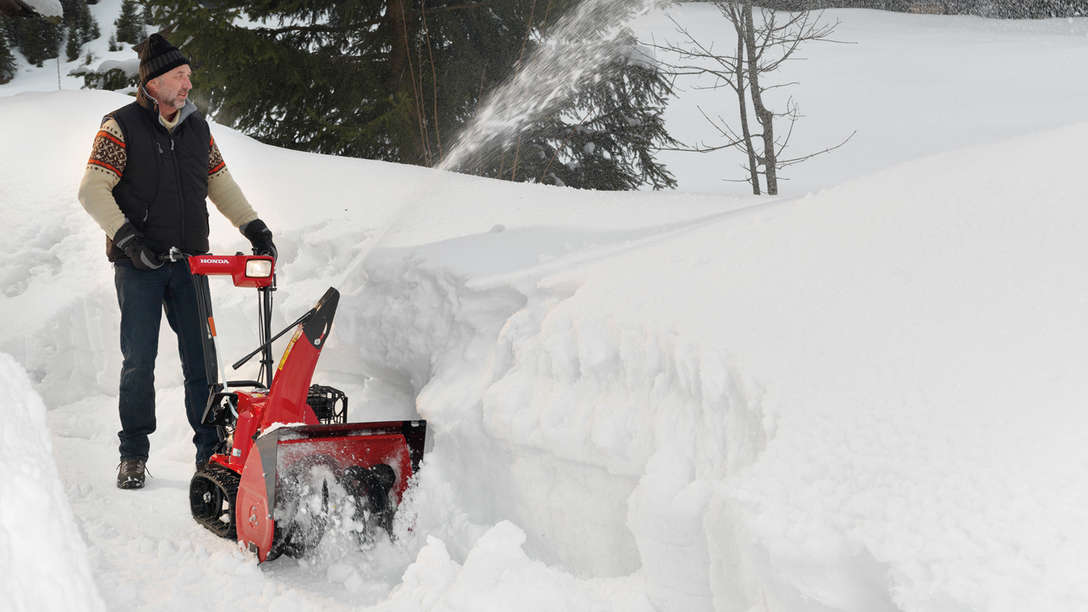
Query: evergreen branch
{"type": "Point", "coordinates": [463, 7]}
{"type": "Point", "coordinates": [317, 28]}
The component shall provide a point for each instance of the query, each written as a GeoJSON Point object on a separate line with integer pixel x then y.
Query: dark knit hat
{"type": "Point", "coordinates": [157, 57]}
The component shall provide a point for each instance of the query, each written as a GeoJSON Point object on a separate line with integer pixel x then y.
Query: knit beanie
{"type": "Point", "coordinates": [157, 57]}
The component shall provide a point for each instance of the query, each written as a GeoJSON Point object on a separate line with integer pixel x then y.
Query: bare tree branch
{"type": "Point", "coordinates": [797, 160]}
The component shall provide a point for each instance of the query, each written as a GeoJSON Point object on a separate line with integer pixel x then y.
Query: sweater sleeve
{"type": "Point", "coordinates": [225, 193]}
{"type": "Point", "coordinates": [103, 172]}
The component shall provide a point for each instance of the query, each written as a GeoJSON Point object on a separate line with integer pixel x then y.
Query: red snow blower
{"type": "Point", "coordinates": [289, 459]}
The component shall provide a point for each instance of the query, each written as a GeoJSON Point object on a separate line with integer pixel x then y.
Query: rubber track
{"type": "Point", "coordinates": [227, 482]}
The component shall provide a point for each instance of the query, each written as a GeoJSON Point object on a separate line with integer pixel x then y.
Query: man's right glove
{"type": "Point", "coordinates": [132, 243]}
{"type": "Point", "coordinates": [260, 237]}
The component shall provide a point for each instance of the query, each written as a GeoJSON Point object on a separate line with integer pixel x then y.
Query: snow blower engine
{"type": "Point", "coordinates": [285, 444]}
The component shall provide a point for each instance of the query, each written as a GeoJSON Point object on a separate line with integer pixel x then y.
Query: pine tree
{"type": "Point", "coordinates": [345, 77]}
{"type": "Point", "coordinates": [392, 80]}
{"type": "Point", "coordinates": [80, 24]}
{"type": "Point", "coordinates": [602, 140]}
{"type": "Point", "coordinates": [73, 18]}
{"type": "Point", "coordinates": [71, 48]}
{"type": "Point", "coordinates": [37, 38]}
{"type": "Point", "coordinates": [130, 27]}
{"type": "Point", "coordinates": [7, 60]}
{"type": "Point", "coordinates": [1028, 9]}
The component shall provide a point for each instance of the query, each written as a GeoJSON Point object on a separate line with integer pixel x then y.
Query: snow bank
{"type": "Point", "coordinates": [131, 67]}
{"type": "Point", "coordinates": [864, 399]}
{"type": "Point", "coordinates": [43, 558]}
{"type": "Point", "coordinates": [920, 336]}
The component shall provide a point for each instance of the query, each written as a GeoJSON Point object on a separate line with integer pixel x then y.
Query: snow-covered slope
{"type": "Point", "coordinates": [908, 85]}
{"type": "Point", "coordinates": [866, 398]}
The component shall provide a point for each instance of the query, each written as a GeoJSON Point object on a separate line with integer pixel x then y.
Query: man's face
{"type": "Point", "coordinates": [171, 90]}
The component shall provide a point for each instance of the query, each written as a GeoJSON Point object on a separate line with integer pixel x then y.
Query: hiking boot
{"type": "Point", "coordinates": [130, 474]}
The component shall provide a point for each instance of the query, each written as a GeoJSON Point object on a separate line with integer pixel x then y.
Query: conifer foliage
{"type": "Point", "coordinates": [35, 36]}
{"type": "Point", "coordinates": [39, 38]}
{"type": "Point", "coordinates": [81, 26]}
{"type": "Point", "coordinates": [7, 60]}
{"type": "Point", "coordinates": [604, 138]}
{"type": "Point", "coordinates": [397, 79]}
{"type": "Point", "coordinates": [129, 23]}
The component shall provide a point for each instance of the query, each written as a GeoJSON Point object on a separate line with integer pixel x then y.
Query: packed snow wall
{"type": "Point", "coordinates": [601, 437]}
{"type": "Point", "coordinates": [43, 558]}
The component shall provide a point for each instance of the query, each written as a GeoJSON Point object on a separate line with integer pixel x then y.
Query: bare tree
{"type": "Point", "coordinates": [763, 44]}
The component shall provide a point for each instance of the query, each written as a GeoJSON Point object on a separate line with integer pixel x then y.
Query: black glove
{"type": "Point", "coordinates": [132, 243]}
{"type": "Point", "coordinates": [260, 237]}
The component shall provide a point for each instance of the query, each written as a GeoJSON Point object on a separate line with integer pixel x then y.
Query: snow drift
{"type": "Point", "coordinates": [42, 555]}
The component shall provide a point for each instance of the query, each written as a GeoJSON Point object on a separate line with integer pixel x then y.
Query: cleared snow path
{"type": "Point", "coordinates": [420, 329]}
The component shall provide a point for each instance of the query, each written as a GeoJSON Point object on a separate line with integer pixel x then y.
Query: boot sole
{"type": "Point", "coordinates": [130, 484]}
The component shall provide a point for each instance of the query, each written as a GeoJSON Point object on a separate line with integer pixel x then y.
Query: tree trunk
{"type": "Point", "coordinates": [746, 131]}
{"type": "Point", "coordinates": [763, 115]}
{"type": "Point", "coordinates": [403, 83]}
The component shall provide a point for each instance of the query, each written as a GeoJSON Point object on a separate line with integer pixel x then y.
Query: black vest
{"type": "Point", "coordinates": [163, 191]}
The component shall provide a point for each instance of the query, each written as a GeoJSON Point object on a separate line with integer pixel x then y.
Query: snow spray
{"type": "Point", "coordinates": [570, 57]}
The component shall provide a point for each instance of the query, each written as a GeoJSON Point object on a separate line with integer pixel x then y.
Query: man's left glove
{"type": "Point", "coordinates": [260, 237]}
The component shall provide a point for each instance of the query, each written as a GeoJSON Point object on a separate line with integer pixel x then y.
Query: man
{"type": "Point", "coordinates": [152, 166]}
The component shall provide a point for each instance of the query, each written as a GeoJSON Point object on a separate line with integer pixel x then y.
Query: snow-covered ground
{"type": "Point", "coordinates": [865, 398]}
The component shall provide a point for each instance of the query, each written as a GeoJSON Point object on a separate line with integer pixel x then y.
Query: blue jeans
{"type": "Point", "coordinates": [143, 296]}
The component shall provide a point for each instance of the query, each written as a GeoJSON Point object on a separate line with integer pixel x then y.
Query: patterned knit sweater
{"type": "Point", "coordinates": [107, 164]}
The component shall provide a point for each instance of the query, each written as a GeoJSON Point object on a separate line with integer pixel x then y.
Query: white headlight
{"type": "Point", "coordinates": [258, 268]}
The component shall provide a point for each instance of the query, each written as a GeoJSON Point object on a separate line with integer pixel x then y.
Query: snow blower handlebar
{"type": "Point", "coordinates": [245, 271]}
